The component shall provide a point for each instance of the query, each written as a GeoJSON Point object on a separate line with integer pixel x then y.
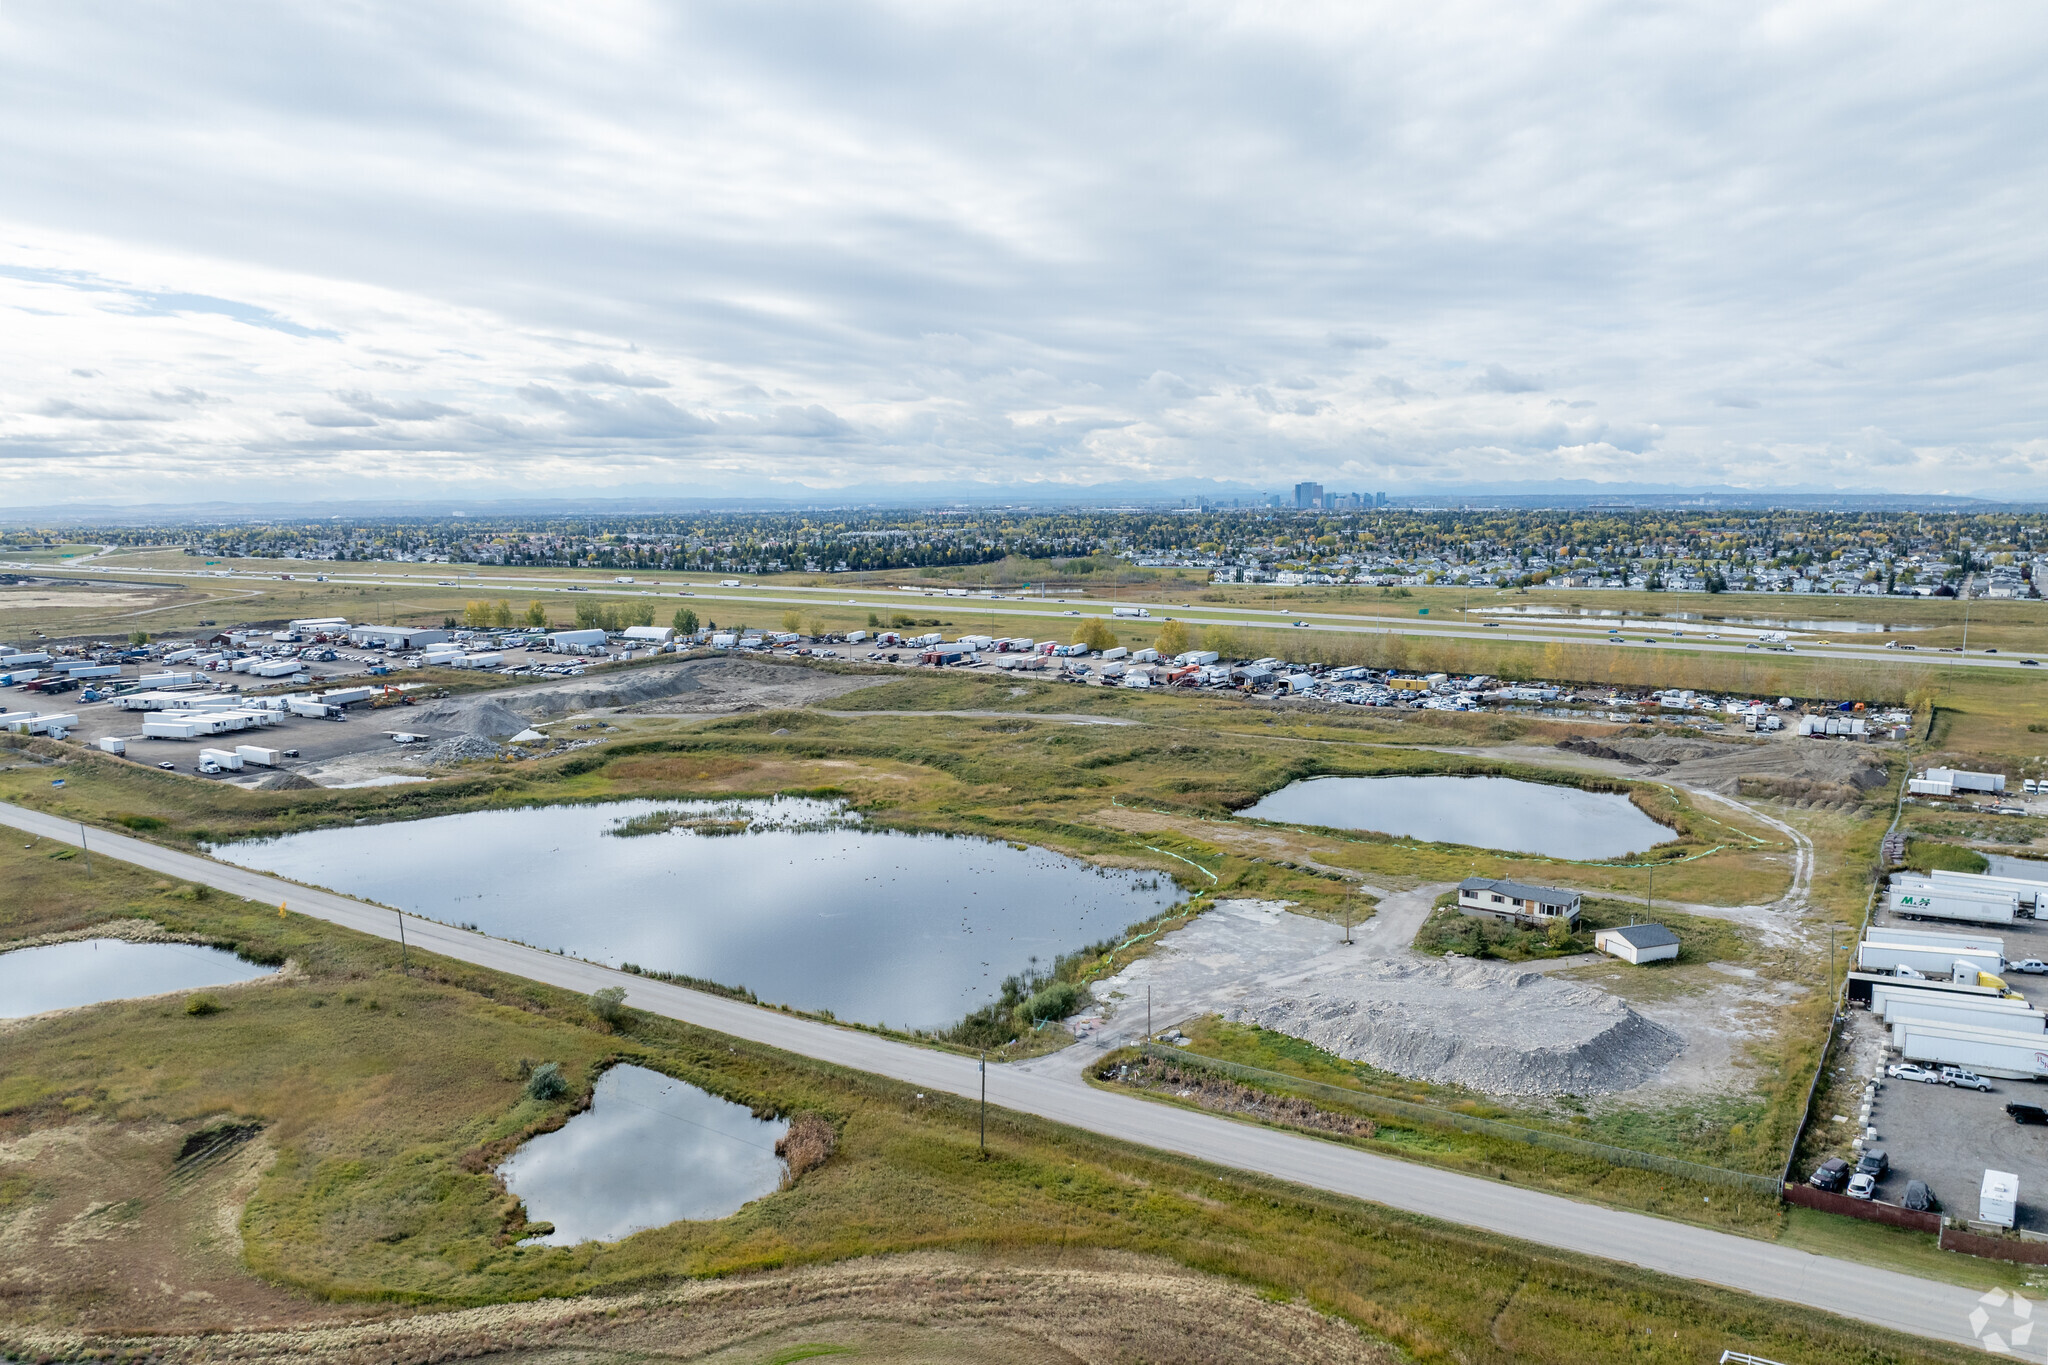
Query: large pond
{"type": "Point", "coordinates": [649, 1151]}
{"type": "Point", "coordinates": [61, 976]}
{"type": "Point", "coordinates": [806, 909]}
{"type": "Point", "coordinates": [1485, 812]}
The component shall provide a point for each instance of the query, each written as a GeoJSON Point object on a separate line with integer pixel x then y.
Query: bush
{"type": "Point", "coordinates": [199, 1006]}
{"type": "Point", "coordinates": [547, 1084]}
{"type": "Point", "coordinates": [1927, 855]}
{"type": "Point", "coordinates": [1056, 1001]}
{"type": "Point", "coordinates": [609, 1004]}
{"type": "Point", "coordinates": [806, 1146]}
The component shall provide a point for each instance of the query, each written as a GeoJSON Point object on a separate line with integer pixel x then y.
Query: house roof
{"type": "Point", "coordinates": [1644, 935]}
{"type": "Point", "coordinates": [1548, 895]}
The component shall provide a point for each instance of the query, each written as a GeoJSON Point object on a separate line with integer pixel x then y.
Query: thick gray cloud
{"type": "Point", "coordinates": [733, 245]}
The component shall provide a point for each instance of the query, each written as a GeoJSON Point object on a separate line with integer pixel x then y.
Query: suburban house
{"type": "Point", "coordinates": [1638, 943]}
{"type": "Point", "coordinates": [1541, 905]}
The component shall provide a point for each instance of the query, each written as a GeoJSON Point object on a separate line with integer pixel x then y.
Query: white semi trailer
{"type": "Point", "coordinates": [1876, 955]}
{"type": "Point", "coordinates": [1918, 899]}
{"type": "Point", "coordinates": [1988, 1052]}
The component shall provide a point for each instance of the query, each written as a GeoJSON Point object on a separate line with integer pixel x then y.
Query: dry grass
{"type": "Point", "coordinates": [807, 1145]}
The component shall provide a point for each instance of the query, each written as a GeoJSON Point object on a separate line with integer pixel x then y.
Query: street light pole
{"type": "Point", "coordinates": [984, 1103]}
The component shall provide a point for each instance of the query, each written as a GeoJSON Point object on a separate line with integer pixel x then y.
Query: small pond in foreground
{"type": "Point", "coordinates": [1485, 812]}
{"type": "Point", "coordinates": [61, 976]}
{"type": "Point", "coordinates": [650, 1150]}
{"type": "Point", "coordinates": [806, 909]}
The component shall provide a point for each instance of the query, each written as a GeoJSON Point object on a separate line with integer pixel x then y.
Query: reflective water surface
{"type": "Point", "coordinates": [62, 976]}
{"type": "Point", "coordinates": [650, 1150]}
{"type": "Point", "coordinates": [1486, 812]}
{"type": "Point", "coordinates": [911, 930]}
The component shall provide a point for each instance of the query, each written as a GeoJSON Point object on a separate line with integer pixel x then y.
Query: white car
{"type": "Point", "coordinates": [1908, 1072]}
{"type": "Point", "coordinates": [2033, 966]}
{"type": "Point", "coordinates": [1862, 1186]}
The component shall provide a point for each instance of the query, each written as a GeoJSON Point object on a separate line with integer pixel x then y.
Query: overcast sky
{"type": "Point", "coordinates": [402, 250]}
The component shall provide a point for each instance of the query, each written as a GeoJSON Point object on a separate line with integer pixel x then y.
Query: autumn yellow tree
{"type": "Point", "coordinates": [1172, 639]}
{"type": "Point", "coordinates": [1096, 634]}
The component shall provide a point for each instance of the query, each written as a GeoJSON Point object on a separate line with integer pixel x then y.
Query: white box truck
{"type": "Point", "coordinates": [1998, 1200]}
{"type": "Point", "coordinates": [1130, 611]}
{"type": "Point", "coordinates": [113, 744]}
{"type": "Point", "coordinates": [257, 754]}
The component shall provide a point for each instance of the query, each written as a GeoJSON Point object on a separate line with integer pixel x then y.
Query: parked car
{"type": "Point", "coordinates": [2033, 966]}
{"type": "Point", "coordinates": [1874, 1164]}
{"type": "Point", "coordinates": [1862, 1185]}
{"type": "Point", "coordinates": [1964, 1078]}
{"type": "Point", "coordinates": [1906, 1071]}
{"type": "Point", "coordinates": [1832, 1174]}
{"type": "Point", "coordinates": [2027, 1113]}
{"type": "Point", "coordinates": [1917, 1197]}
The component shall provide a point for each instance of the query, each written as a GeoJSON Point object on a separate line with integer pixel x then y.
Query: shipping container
{"type": "Point", "coordinates": [348, 696]}
{"type": "Point", "coordinates": [257, 754]}
{"type": "Point", "coordinates": [162, 726]}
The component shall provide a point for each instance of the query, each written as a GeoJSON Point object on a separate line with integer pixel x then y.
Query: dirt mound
{"type": "Point", "coordinates": [282, 782]}
{"type": "Point", "coordinates": [1725, 765]}
{"type": "Point", "coordinates": [487, 716]}
{"type": "Point", "coordinates": [1490, 1029]}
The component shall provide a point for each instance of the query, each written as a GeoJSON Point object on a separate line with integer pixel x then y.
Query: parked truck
{"type": "Point", "coordinates": [219, 761]}
{"type": "Point", "coordinates": [1988, 1052]}
{"type": "Point", "coordinates": [1918, 899]}
{"type": "Point", "coordinates": [1998, 1198]}
{"type": "Point", "coordinates": [1875, 955]}
{"type": "Point", "coordinates": [2033, 894]}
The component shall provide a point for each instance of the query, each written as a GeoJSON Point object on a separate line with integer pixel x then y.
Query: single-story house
{"type": "Point", "coordinates": [1542, 905]}
{"type": "Point", "coordinates": [1638, 943]}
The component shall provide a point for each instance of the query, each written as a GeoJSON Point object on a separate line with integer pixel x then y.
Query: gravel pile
{"type": "Point", "coordinates": [1492, 1029]}
{"type": "Point", "coordinates": [487, 716]}
{"type": "Point", "coordinates": [460, 749]}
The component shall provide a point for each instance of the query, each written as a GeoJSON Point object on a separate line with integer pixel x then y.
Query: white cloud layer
{"type": "Point", "coordinates": [380, 250]}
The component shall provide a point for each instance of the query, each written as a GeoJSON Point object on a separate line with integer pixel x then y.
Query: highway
{"type": "Point", "coordinates": [985, 611]}
{"type": "Point", "coordinates": [1882, 1297]}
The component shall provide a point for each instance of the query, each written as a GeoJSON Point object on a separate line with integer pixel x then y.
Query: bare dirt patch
{"type": "Point", "coordinates": [79, 599]}
{"type": "Point", "coordinates": [901, 1310]}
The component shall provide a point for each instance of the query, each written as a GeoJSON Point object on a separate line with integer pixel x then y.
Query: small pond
{"type": "Point", "coordinates": [805, 908]}
{"type": "Point", "coordinates": [649, 1151]}
{"type": "Point", "coordinates": [2005, 865]}
{"type": "Point", "coordinates": [60, 976]}
{"type": "Point", "coordinates": [1485, 812]}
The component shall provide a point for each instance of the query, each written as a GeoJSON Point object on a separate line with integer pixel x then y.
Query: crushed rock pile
{"type": "Point", "coordinates": [1491, 1029]}
{"type": "Point", "coordinates": [487, 716]}
{"type": "Point", "coordinates": [460, 749]}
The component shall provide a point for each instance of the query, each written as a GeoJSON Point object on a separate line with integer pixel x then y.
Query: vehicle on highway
{"type": "Point", "coordinates": [1990, 651]}
{"type": "Point", "coordinates": [2027, 1113]}
{"type": "Point", "coordinates": [1301, 623]}
{"type": "Point", "coordinates": [1490, 625]}
{"type": "Point", "coordinates": [2031, 663]}
{"type": "Point", "coordinates": [1964, 1078]}
{"type": "Point", "coordinates": [168, 767]}
{"type": "Point", "coordinates": [1830, 1175]}
{"type": "Point", "coordinates": [1917, 1197]}
{"type": "Point", "coordinates": [1874, 1164]}
{"type": "Point", "coordinates": [1906, 1071]}
{"type": "Point", "coordinates": [2032, 966]}
{"type": "Point", "coordinates": [1862, 1185]}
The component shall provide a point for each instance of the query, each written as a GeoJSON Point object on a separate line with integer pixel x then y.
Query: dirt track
{"type": "Point", "coordinates": [899, 1310]}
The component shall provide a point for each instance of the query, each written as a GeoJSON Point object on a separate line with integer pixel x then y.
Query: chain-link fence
{"type": "Point", "coordinates": [1512, 1132]}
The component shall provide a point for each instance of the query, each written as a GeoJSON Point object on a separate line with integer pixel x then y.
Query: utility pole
{"type": "Point", "coordinates": [82, 845]}
{"type": "Point", "coordinates": [404, 960]}
{"type": "Point", "coordinates": [1148, 1014]}
{"type": "Point", "coordinates": [984, 1104]}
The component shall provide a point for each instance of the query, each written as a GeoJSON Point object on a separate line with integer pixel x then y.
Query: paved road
{"type": "Point", "coordinates": [981, 607]}
{"type": "Point", "coordinates": [1901, 1302]}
